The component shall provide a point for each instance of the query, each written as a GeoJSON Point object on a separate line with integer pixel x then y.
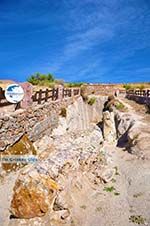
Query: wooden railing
{"type": "Point", "coordinates": [42, 96]}
{"type": "Point", "coordinates": [45, 95]}
{"type": "Point", "coordinates": [140, 96]}
{"type": "Point", "coordinates": [143, 93]}
{"type": "Point", "coordinates": [67, 93]}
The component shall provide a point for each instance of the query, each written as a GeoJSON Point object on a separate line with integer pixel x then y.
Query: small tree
{"type": "Point", "coordinates": [41, 79]}
{"type": "Point", "coordinates": [32, 79]}
{"type": "Point", "coordinates": [50, 77]}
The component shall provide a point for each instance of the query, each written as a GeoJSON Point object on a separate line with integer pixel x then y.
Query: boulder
{"type": "Point", "coordinates": [139, 141]}
{"type": "Point", "coordinates": [108, 174]}
{"type": "Point", "coordinates": [34, 193]}
{"type": "Point", "coordinates": [124, 122]}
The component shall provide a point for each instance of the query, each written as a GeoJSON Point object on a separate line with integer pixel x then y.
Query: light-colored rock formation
{"type": "Point", "coordinates": [109, 130]}
{"type": "Point", "coordinates": [133, 133]}
{"type": "Point", "coordinates": [139, 140]}
{"type": "Point", "coordinates": [80, 114]}
{"type": "Point", "coordinates": [41, 120]}
{"type": "Point", "coordinates": [124, 121]}
{"type": "Point", "coordinates": [37, 185]}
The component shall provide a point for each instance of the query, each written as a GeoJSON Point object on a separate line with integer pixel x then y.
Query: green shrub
{"type": "Point", "coordinates": [63, 112]}
{"type": "Point", "coordinates": [127, 86]}
{"type": "Point", "coordinates": [119, 106]}
{"type": "Point", "coordinates": [41, 79]}
{"type": "Point", "coordinates": [109, 189]}
{"type": "Point", "coordinates": [73, 84]}
{"type": "Point", "coordinates": [91, 101]}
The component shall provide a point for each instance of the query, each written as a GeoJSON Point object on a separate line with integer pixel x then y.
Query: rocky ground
{"type": "Point", "coordinates": [99, 184]}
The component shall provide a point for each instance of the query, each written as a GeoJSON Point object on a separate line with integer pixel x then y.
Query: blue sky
{"type": "Point", "coordinates": [82, 40]}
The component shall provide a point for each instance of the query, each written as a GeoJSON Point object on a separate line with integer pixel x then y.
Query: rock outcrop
{"type": "Point", "coordinates": [38, 185]}
{"type": "Point", "coordinates": [133, 134]}
{"type": "Point", "coordinates": [109, 130]}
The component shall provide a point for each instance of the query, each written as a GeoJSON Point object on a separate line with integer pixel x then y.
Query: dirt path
{"type": "Point", "coordinates": [138, 109]}
{"type": "Point", "coordinates": [133, 183]}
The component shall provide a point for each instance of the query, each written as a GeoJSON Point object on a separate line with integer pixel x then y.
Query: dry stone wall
{"type": "Point", "coordinates": [42, 119]}
{"type": "Point", "coordinates": [34, 122]}
{"type": "Point", "coordinates": [98, 89]}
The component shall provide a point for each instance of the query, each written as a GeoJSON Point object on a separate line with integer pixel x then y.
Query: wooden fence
{"type": "Point", "coordinates": [42, 96]}
{"type": "Point", "coordinates": [140, 96]}
{"type": "Point", "coordinates": [137, 92]}
{"type": "Point", "coordinates": [45, 95]}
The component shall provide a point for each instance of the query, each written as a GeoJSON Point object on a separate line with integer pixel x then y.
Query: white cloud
{"type": "Point", "coordinates": [105, 21]}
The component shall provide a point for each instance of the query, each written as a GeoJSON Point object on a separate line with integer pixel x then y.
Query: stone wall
{"type": "Point", "coordinates": [139, 99]}
{"type": "Point", "coordinates": [42, 119]}
{"type": "Point", "coordinates": [100, 89]}
{"type": "Point", "coordinates": [34, 122]}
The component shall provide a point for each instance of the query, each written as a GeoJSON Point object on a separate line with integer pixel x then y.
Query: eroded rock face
{"type": "Point", "coordinates": [133, 134]}
{"type": "Point", "coordinates": [139, 141]}
{"type": "Point", "coordinates": [109, 129]}
{"type": "Point", "coordinates": [37, 186]}
{"type": "Point", "coordinates": [33, 195]}
{"type": "Point", "coordinates": [124, 121]}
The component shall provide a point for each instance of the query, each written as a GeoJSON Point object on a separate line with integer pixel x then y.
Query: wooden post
{"type": "Point", "coordinates": [53, 93]}
{"type": "Point", "coordinates": [57, 90]}
{"type": "Point", "coordinates": [63, 93]}
{"type": "Point", "coordinates": [40, 96]}
{"type": "Point", "coordinates": [46, 95]}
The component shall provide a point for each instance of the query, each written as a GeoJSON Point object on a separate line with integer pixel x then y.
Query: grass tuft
{"type": "Point", "coordinates": [92, 101]}
{"type": "Point", "coordinates": [119, 106]}
{"type": "Point", "coordinates": [137, 219]}
{"type": "Point", "coordinates": [109, 189]}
